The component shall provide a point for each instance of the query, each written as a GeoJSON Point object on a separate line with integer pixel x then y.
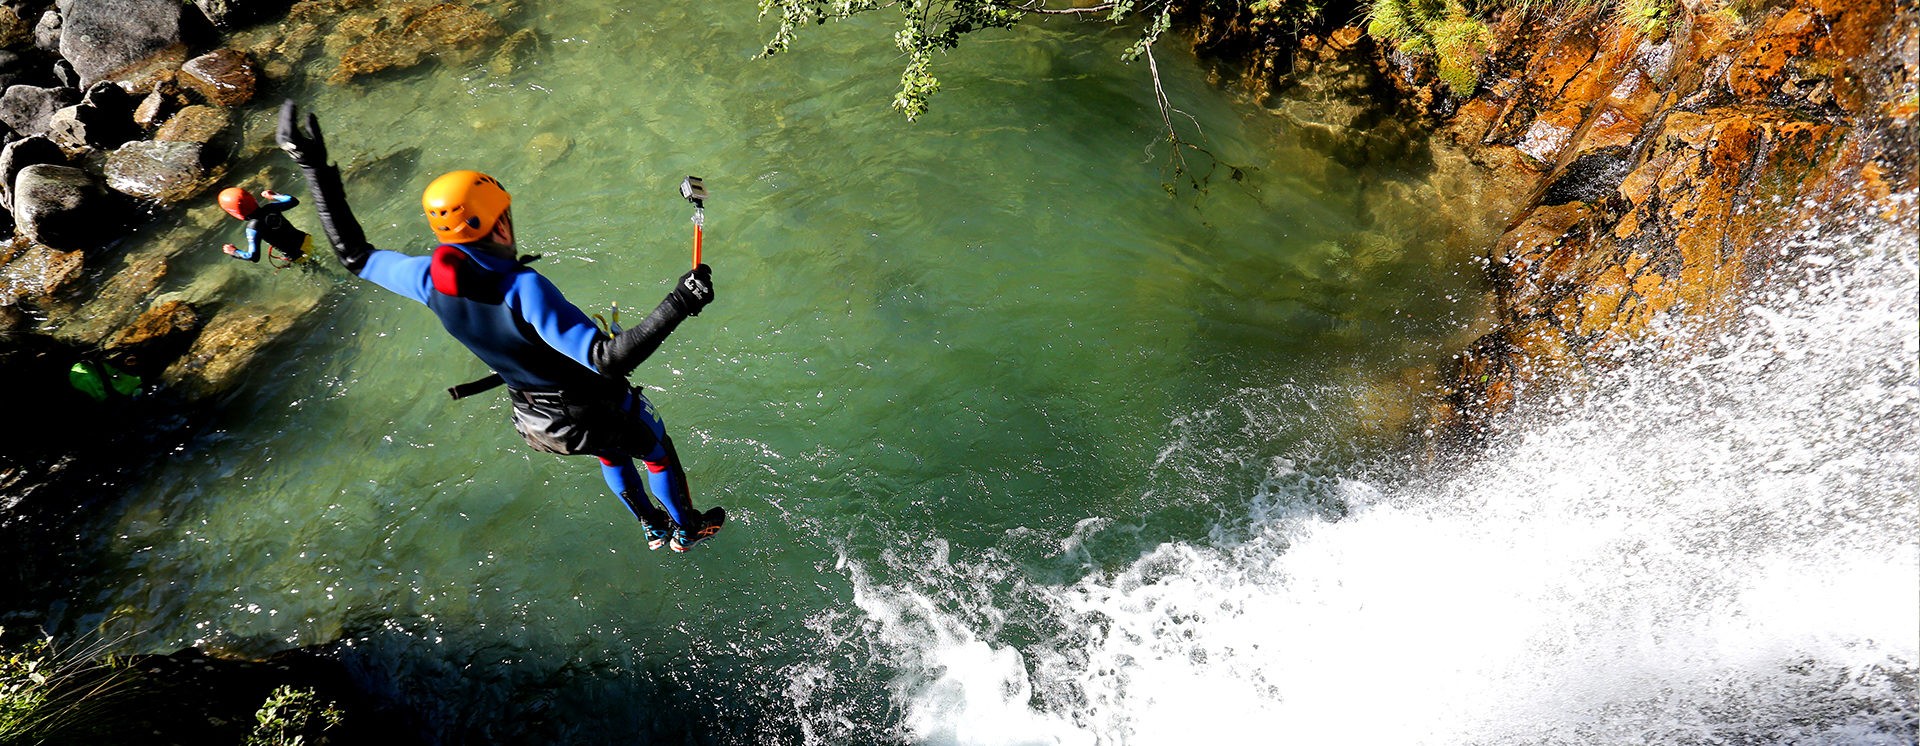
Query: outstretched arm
{"type": "Point", "coordinates": [309, 150]}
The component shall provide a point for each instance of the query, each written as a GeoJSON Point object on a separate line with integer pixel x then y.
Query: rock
{"type": "Point", "coordinates": [126, 40]}
{"type": "Point", "coordinates": [109, 97]}
{"type": "Point", "coordinates": [46, 32]}
{"type": "Point", "coordinates": [160, 171]}
{"type": "Point", "coordinates": [20, 154]}
{"type": "Point", "coordinates": [1590, 177]}
{"type": "Point", "coordinates": [224, 77]}
{"type": "Point", "coordinates": [64, 74]}
{"type": "Point", "coordinates": [195, 124]}
{"type": "Point", "coordinates": [64, 207]}
{"type": "Point", "coordinates": [158, 337]}
{"type": "Point", "coordinates": [228, 15]}
{"type": "Point", "coordinates": [513, 53]}
{"type": "Point", "coordinates": [81, 127]}
{"type": "Point", "coordinates": [229, 343]}
{"type": "Point", "coordinates": [38, 274]}
{"type": "Point", "coordinates": [116, 302]}
{"type": "Point", "coordinates": [547, 147]}
{"type": "Point", "coordinates": [154, 109]}
{"type": "Point", "coordinates": [27, 108]}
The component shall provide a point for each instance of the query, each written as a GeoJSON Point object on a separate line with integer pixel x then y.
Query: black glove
{"type": "Point", "coordinates": [307, 150]}
{"type": "Point", "coordinates": [694, 291]}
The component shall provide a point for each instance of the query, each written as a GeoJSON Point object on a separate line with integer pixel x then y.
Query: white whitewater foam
{"type": "Point", "coordinates": [1721, 549]}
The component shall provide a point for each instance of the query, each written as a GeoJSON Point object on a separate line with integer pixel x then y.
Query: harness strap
{"type": "Point", "coordinates": [464, 390]}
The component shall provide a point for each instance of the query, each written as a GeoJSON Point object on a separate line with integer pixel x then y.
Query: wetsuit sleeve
{"type": "Point", "coordinates": [280, 203]}
{"type": "Point", "coordinates": [625, 351]}
{"type": "Point", "coordinates": [252, 250]}
{"type": "Point", "coordinates": [336, 218]}
{"type": "Point", "coordinates": [401, 273]}
{"type": "Point", "coordinates": [562, 325]}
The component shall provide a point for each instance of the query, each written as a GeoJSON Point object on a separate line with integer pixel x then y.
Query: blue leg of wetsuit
{"type": "Point", "coordinates": [665, 477]}
{"type": "Point", "coordinates": [625, 482]}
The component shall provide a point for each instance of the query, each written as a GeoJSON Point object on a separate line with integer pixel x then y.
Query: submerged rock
{"type": "Point", "coordinates": [160, 335]}
{"type": "Point", "coordinates": [412, 33]}
{"type": "Point", "coordinates": [230, 342]}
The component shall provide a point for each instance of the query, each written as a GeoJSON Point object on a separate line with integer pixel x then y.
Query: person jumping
{"type": "Point", "coordinates": [566, 379]}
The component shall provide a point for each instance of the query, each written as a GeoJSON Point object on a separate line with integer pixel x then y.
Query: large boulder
{"type": "Point", "coordinates": [28, 108]}
{"type": "Point", "coordinates": [130, 40]}
{"type": "Point", "coordinates": [64, 207]}
{"type": "Point", "coordinates": [159, 171]}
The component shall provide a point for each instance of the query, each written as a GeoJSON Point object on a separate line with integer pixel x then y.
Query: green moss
{"type": "Point", "coordinates": [1445, 29]}
{"type": "Point", "coordinates": [1647, 17]}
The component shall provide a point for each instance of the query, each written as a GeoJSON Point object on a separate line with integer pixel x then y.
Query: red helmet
{"type": "Point", "coordinates": [237, 202]}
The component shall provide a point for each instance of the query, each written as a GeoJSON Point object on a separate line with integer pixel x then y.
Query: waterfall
{"type": "Point", "coordinates": [1715, 549]}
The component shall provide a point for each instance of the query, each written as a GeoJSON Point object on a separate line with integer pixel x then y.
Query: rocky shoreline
{"type": "Point", "coordinates": [118, 120]}
{"type": "Point", "coordinates": [119, 117]}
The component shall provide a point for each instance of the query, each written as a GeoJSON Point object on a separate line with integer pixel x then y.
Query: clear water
{"type": "Point", "coordinates": [1018, 447]}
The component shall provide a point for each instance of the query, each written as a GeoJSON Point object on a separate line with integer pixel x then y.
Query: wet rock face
{"type": "Point", "coordinates": [38, 274]}
{"type": "Point", "coordinates": [223, 78]}
{"type": "Point", "coordinates": [160, 171]}
{"type": "Point", "coordinates": [1668, 169]}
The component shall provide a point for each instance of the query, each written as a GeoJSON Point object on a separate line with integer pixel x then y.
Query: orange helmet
{"type": "Point", "coordinates": [462, 206]}
{"type": "Point", "coordinates": [237, 202]}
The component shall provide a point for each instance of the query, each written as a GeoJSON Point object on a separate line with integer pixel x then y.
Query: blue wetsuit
{"type": "Point", "coordinates": [566, 378]}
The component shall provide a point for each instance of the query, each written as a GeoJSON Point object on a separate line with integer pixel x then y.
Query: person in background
{"type": "Point", "coordinates": [286, 244]}
{"type": "Point", "coordinates": [565, 377]}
